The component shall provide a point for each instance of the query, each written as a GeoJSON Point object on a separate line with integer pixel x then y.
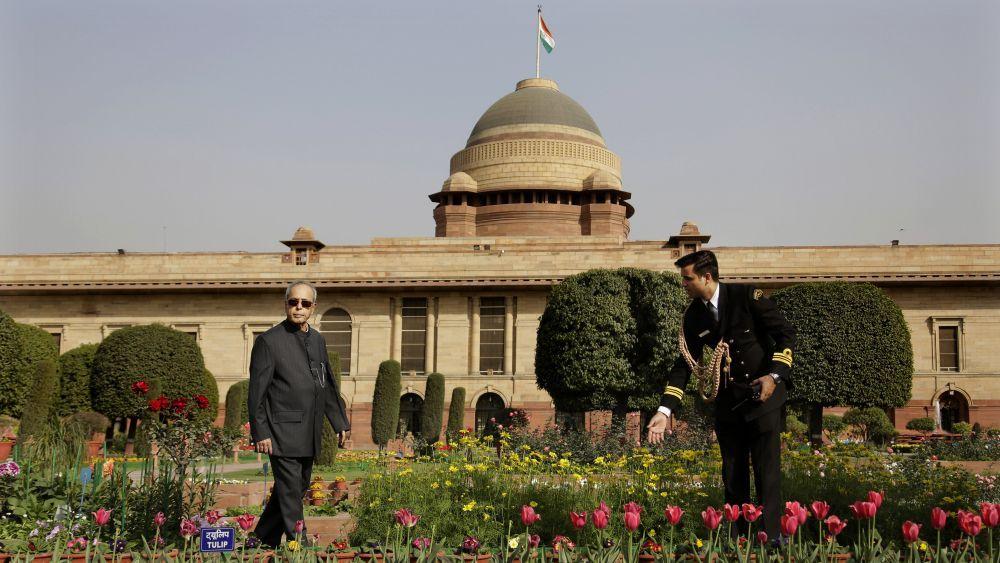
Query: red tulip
{"type": "Point", "coordinates": [604, 508]}
{"type": "Point", "coordinates": [528, 515]}
{"type": "Point", "coordinates": [762, 537]}
{"type": "Point", "coordinates": [732, 512]}
{"type": "Point", "coordinates": [876, 497]}
{"type": "Point", "coordinates": [579, 519]}
{"type": "Point", "coordinates": [102, 516]}
{"type": "Point", "coordinates": [864, 510]}
{"type": "Point", "coordinates": [970, 523]}
{"type": "Point", "coordinates": [632, 521]}
{"type": "Point", "coordinates": [673, 514]}
{"type": "Point", "coordinates": [820, 509]}
{"type": "Point", "coordinates": [938, 518]}
{"type": "Point", "coordinates": [246, 521]}
{"type": "Point", "coordinates": [600, 519]}
{"type": "Point", "coordinates": [188, 528]}
{"type": "Point", "coordinates": [633, 507]}
{"type": "Point", "coordinates": [534, 540]}
{"type": "Point", "coordinates": [404, 518]}
{"type": "Point", "coordinates": [911, 531]}
{"type": "Point", "coordinates": [835, 525]}
{"type": "Point", "coordinates": [990, 513]}
{"type": "Point", "coordinates": [789, 524]}
{"type": "Point", "coordinates": [751, 513]}
{"type": "Point", "coordinates": [300, 525]}
{"type": "Point", "coordinates": [159, 520]}
{"type": "Point", "coordinates": [213, 516]}
{"type": "Point", "coordinates": [711, 517]}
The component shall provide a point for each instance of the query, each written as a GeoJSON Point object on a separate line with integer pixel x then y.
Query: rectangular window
{"type": "Point", "coordinates": [491, 334]}
{"type": "Point", "coordinates": [57, 336]}
{"type": "Point", "coordinates": [301, 257]}
{"type": "Point", "coordinates": [414, 334]}
{"type": "Point", "coordinates": [948, 348]}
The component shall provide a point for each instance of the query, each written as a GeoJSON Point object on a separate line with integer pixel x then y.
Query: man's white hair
{"type": "Point", "coordinates": [288, 292]}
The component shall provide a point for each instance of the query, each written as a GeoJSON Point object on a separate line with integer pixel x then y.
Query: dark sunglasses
{"type": "Point", "coordinates": [293, 302]}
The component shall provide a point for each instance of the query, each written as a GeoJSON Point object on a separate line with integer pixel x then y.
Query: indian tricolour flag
{"type": "Point", "coordinates": [545, 36]}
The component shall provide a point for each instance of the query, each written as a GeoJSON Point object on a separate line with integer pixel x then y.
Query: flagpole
{"type": "Point", "coordinates": [538, 43]}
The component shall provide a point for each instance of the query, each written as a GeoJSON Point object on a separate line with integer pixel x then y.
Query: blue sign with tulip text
{"type": "Point", "coordinates": [218, 539]}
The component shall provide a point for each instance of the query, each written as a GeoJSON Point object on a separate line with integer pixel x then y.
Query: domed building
{"type": "Point", "coordinates": [535, 164]}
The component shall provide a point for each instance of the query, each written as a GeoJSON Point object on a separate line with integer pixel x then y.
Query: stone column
{"type": "Point", "coordinates": [396, 304]}
{"type": "Point", "coordinates": [474, 338]}
{"type": "Point", "coordinates": [429, 336]}
{"type": "Point", "coordinates": [508, 336]}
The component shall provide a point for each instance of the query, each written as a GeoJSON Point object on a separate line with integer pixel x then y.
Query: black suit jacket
{"type": "Point", "coordinates": [760, 342]}
{"type": "Point", "coordinates": [286, 401]}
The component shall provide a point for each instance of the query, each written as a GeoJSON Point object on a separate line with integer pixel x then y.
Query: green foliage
{"type": "Point", "coordinates": [833, 425]}
{"type": "Point", "coordinates": [12, 385]}
{"type": "Point", "coordinates": [963, 428]}
{"type": "Point", "coordinates": [432, 414]}
{"type": "Point", "coordinates": [38, 346]}
{"type": "Point", "coordinates": [607, 338]}
{"type": "Point", "coordinates": [329, 448]}
{"type": "Point", "coordinates": [456, 413]}
{"type": "Point", "coordinates": [38, 408]}
{"type": "Point", "coordinates": [142, 446]}
{"type": "Point", "coordinates": [853, 345]}
{"type": "Point", "coordinates": [871, 424]}
{"type": "Point", "coordinates": [210, 389]}
{"type": "Point", "coordinates": [75, 367]}
{"type": "Point", "coordinates": [798, 429]}
{"type": "Point", "coordinates": [972, 447]}
{"type": "Point", "coordinates": [924, 424]}
{"type": "Point", "coordinates": [385, 403]}
{"type": "Point", "coordinates": [236, 404]}
{"type": "Point", "coordinates": [145, 353]}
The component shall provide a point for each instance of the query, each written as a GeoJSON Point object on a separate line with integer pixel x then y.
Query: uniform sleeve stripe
{"type": "Point", "coordinates": [782, 360]}
{"type": "Point", "coordinates": [674, 392]}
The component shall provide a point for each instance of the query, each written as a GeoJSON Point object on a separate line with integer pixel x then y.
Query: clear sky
{"type": "Point", "coordinates": [232, 122]}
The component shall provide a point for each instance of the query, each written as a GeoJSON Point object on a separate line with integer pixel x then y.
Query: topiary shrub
{"type": "Point", "coordinates": [37, 346]}
{"type": "Point", "coordinates": [432, 414]}
{"type": "Point", "coordinates": [963, 428]}
{"type": "Point", "coordinates": [385, 403]}
{"type": "Point", "coordinates": [210, 389]}
{"type": "Point", "coordinates": [329, 447]}
{"type": "Point", "coordinates": [871, 424]}
{"type": "Point", "coordinates": [796, 427]}
{"type": "Point", "coordinates": [142, 446]}
{"type": "Point", "coordinates": [145, 353]}
{"type": "Point", "coordinates": [38, 407]}
{"type": "Point", "coordinates": [74, 379]}
{"type": "Point", "coordinates": [924, 425]}
{"type": "Point", "coordinates": [833, 426]}
{"type": "Point", "coordinates": [13, 386]}
{"type": "Point", "coordinates": [456, 413]}
{"type": "Point", "coordinates": [85, 424]}
{"type": "Point", "coordinates": [236, 405]}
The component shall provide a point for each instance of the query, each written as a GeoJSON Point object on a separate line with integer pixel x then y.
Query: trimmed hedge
{"type": "Point", "coordinates": [456, 413]}
{"type": "Point", "coordinates": [75, 367]}
{"type": "Point", "coordinates": [37, 346]}
{"type": "Point", "coordinates": [38, 407]}
{"type": "Point", "coordinates": [432, 412]}
{"type": "Point", "coordinates": [13, 386]}
{"type": "Point", "coordinates": [329, 447]}
{"type": "Point", "coordinates": [873, 424]}
{"type": "Point", "coordinates": [236, 404]}
{"type": "Point", "coordinates": [385, 404]}
{"type": "Point", "coordinates": [923, 424]}
{"type": "Point", "coordinates": [210, 389]}
{"type": "Point", "coordinates": [853, 346]}
{"type": "Point", "coordinates": [146, 353]}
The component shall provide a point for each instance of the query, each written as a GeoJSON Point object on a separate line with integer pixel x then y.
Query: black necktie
{"type": "Point", "coordinates": [714, 311]}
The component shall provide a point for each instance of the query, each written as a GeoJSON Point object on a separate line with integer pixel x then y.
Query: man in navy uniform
{"type": "Point", "coordinates": [292, 390]}
{"type": "Point", "coordinates": [760, 343]}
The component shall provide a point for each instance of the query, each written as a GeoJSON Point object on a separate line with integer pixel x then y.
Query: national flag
{"type": "Point", "coordinates": [545, 36]}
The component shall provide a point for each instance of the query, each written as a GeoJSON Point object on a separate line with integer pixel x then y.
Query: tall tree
{"type": "Point", "coordinates": [385, 403]}
{"type": "Point", "coordinates": [432, 412]}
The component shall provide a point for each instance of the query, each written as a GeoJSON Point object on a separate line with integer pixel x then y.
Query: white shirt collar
{"type": "Point", "coordinates": [715, 297]}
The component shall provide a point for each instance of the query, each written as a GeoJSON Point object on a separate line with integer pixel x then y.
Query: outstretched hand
{"type": "Point", "coordinates": [657, 428]}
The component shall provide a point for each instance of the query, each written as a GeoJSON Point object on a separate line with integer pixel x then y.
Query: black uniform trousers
{"type": "Point", "coordinates": [292, 476]}
{"type": "Point", "coordinates": [757, 441]}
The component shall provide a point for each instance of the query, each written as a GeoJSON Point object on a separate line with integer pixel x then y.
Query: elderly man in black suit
{"type": "Point", "coordinates": [292, 389]}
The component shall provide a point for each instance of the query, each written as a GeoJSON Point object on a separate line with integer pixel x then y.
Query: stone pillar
{"type": "Point", "coordinates": [474, 337]}
{"type": "Point", "coordinates": [508, 336]}
{"type": "Point", "coordinates": [396, 304]}
{"type": "Point", "coordinates": [429, 336]}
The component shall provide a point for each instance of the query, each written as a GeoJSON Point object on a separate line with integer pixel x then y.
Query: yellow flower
{"type": "Point", "coordinates": [503, 494]}
{"type": "Point", "coordinates": [599, 460]}
{"type": "Point", "coordinates": [453, 469]}
{"type": "Point", "coordinates": [469, 467]}
{"type": "Point", "coordinates": [923, 546]}
{"type": "Point", "coordinates": [513, 543]}
{"type": "Point", "coordinates": [698, 543]}
{"type": "Point", "coordinates": [447, 483]}
{"type": "Point", "coordinates": [435, 485]}
{"type": "Point", "coordinates": [405, 472]}
{"type": "Point", "coordinates": [563, 462]}
{"type": "Point", "coordinates": [652, 533]}
{"type": "Point", "coordinates": [468, 507]}
{"type": "Point", "coordinates": [533, 504]}
{"type": "Point", "coordinates": [486, 517]}
{"type": "Point", "coordinates": [663, 494]}
{"type": "Point", "coordinates": [293, 545]}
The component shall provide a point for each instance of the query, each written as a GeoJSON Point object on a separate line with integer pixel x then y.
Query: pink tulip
{"type": "Point", "coordinates": [938, 518]}
{"type": "Point", "coordinates": [159, 520]}
{"type": "Point", "coordinates": [731, 512]}
{"type": "Point", "coordinates": [246, 521]}
{"type": "Point", "coordinates": [578, 519]}
{"type": "Point", "coordinates": [864, 510]}
{"type": "Point", "coordinates": [300, 526]}
{"type": "Point", "coordinates": [404, 518]}
{"type": "Point", "coordinates": [604, 508]}
{"type": "Point", "coordinates": [762, 537]}
{"type": "Point", "coordinates": [970, 523]}
{"type": "Point", "coordinates": [911, 531]}
{"type": "Point", "coordinates": [751, 513]}
{"type": "Point", "coordinates": [600, 519]}
{"type": "Point", "coordinates": [188, 528]}
{"type": "Point", "coordinates": [711, 517]}
{"type": "Point", "coordinates": [632, 521]}
{"type": "Point", "coordinates": [528, 515]}
{"type": "Point", "coordinates": [798, 511]}
{"type": "Point", "coordinates": [633, 507]}
{"type": "Point", "coordinates": [819, 509]}
{"type": "Point", "coordinates": [990, 514]}
{"type": "Point", "coordinates": [789, 524]}
{"type": "Point", "coordinates": [102, 516]}
{"type": "Point", "coordinates": [835, 525]}
{"type": "Point", "coordinates": [213, 516]}
{"type": "Point", "coordinates": [534, 540]}
{"type": "Point", "coordinates": [876, 497]}
{"type": "Point", "coordinates": [673, 514]}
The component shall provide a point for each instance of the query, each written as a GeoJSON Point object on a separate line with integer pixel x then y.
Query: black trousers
{"type": "Point", "coordinates": [757, 442]}
{"type": "Point", "coordinates": [284, 508]}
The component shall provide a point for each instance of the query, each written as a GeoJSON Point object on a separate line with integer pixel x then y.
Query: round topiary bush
{"type": "Point", "coordinates": [85, 424]}
{"type": "Point", "coordinates": [925, 425]}
{"type": "Point", "coordinates": [385, 403]}
{"type": "Point", "coordinates": [236, 404]}
{"type": "Point", "coordinates": [871, 424]}
{"type": "Point", "coordinates": [74, 381]}
{"type": "Point", "coordinates": [13, 386]}
{"type": "Point", "coordinates": [145, 353]}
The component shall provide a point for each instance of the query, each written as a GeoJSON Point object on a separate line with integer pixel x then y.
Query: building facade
{"type": "Point", "coordinates": [535, 196]}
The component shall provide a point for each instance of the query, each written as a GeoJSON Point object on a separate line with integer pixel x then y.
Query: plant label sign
{"type": "Point", "coordinates": [218, 539]}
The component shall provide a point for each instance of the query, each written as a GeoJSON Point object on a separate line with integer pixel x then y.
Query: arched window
{"type": "Point", "coordinates": [489, 405]}
{"type": "Point", "coordinates": [335, 326]}
{"type": "Point", "coordinates": [954, 408]}
{"type": "Point", "coordinates": [410, 406]}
